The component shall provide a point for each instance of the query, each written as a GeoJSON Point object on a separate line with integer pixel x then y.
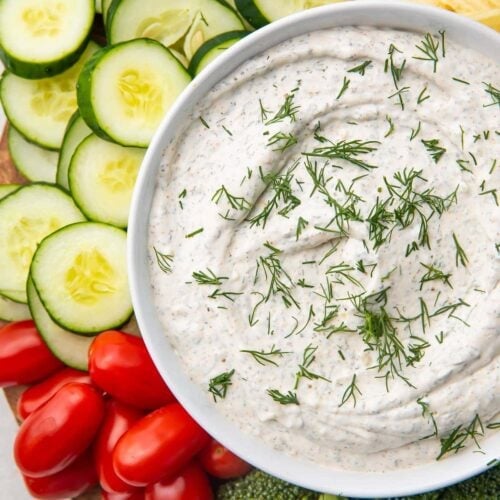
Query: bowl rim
{"type": "Point", "coordinates": [359, 484]}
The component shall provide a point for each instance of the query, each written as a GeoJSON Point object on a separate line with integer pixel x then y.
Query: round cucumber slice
{"type": "Point", "coordinates": [13, 311]}
{"type": "Point", "coordinates": [34, 162]}
{"type": "Point", "coordinates": [213, 48]}
{"type": "Point", "coordinates": [41, 38]}
{"type": "Point", "coordinates": [40, 109]}
{"type": "Point", "coordinates": [185, 23]}
{"type": "Point", "coordinates": [26, 217]}
{"type": "Point", "coordinates": [76, 131]}
{"type": "Point", "coordinates": [102, 177]}
{"type": "Point", "coordinates": [125, 90]}
{"type": "Point", "coordinates": [261, 12]}
{"type": "Point", "coordinates": [6, 189]}
{"type": "Point", "coordinates": [68, 347]}
{"type": "Point", "coordinates": [80, 273]}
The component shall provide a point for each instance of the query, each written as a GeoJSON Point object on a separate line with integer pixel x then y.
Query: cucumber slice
{"type": "Point", "coordinates": [6, 189]}
{"type": "Point", "coordinates": [102, 177]}
{"type": "Point", "coordinates": [106, 4]}
{"type": "Point", "coordinates": [34, 162]}
{"type": "Point", "coordinates": [169, 22]}
{"type": "Point", "coordinates": [261, 12]}
{"type": "Point", "coordinates": [40, 109]}
{"type": "Point", "coordinates": [42, 38]}
{"type": "Point", "coordinates": [76, 131]}
{"type": "Point", "coordinates": [68, 347]}
{"type": "Point", "coordinates": [213, 48]}
{"type": "Point", "coordinates": [125, 90]}
{"type": "Point", "coordinates": [98, 6]}
{"type": "Point", "coordinates": [80, 273]}
{"type": "Point", "coordinates": [13, 311]}
{"type": "Point", "coordinates": [26, 217]}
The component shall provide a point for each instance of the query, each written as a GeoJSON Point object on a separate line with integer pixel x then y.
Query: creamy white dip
{"type": "Point", "coordinates": [372, 299]}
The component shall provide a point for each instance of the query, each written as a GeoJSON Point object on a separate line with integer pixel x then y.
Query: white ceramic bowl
{"type": "Point", "coordinates": [193, 398]}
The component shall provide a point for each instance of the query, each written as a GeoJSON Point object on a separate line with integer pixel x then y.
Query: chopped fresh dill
{"type": "Point", "coordinates": [345, 86]}
{"type": "Point", "coordinates": [390, 64]}
{"type": "Point", "coordinates": [301, 225]}
{"type": "Point", "coordinates": [349, 151]}
{"type": "Point", "coordinates": [350, 392]}
{"type": "Point", "coordinates": [388, 119]}
{"type": "Point", "coordinates": [227, 295]}
{"type": "Point", "coordinates": [290, 398]}
{"type": "Point", "coordinates": [287, 110]}
{"type": "Point", "coordinates": [457, 438]}
{"type": "Point", "coordinates": [436, 151]}
{"type": "Point", "coordinates": [164, 261]}
{"type": "Point", "coordinates": [205, 124]}
{"type": "Point", "coordinates": [416, 131]}
{"type": "Point", "coordinates": [264, 113]}
{"type": "Point", "coordinates": [208, 278]}
{"type": "Point", "coordinates": [263, 357]}
{"type": "Point", "coordinates": [219, 385]}
{"type": "Point", "coordinates": [282, 141]}
{"type": "Point", "coordinates": [494, 93]}
{"type": "Point", "coordinates": [422, 96]}
{"type": "Point", "coordinates": [360, 68]}
{"type": "Point", "coordinates": [235, 202]}
{"type": "Point", "coordinates": [341, 354]}
{"type": "Point", "coordinates": [227, 131]}
{"type": "Point", "coordinates": [434, 274]}
{"type": "Point", "coordinates": [194, 233]}
{"type": "Point", "coordinates": [308, 358]}
{"type": "Point", "coordinates": [399, 94]}
{"type": "Point", "coordinates": [460, 256]}
{"type": "Point", "coordinates": [460, 81]}
{"type": "Point", "coordinates": [429, 49]}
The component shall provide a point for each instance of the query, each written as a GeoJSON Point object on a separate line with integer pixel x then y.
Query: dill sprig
{"type": "Point", "coordinates": [281, 186]}
{"type": "Point", "coordinates": [279, 281]}
{"type": "Point", "coordinates": [208, 278]}
{"type": "Point", "coordinates": [282, 141]}
{"type": "Point", "coordinates": [343, 270]}
{"type": "Point", "coordinates": [308, 358]}
{"type": "Point", "coordinates": [265, 357]}
{"type": "Point", "coordinates": [391, 129]}
{"type": "Point", "coordinates": [494, 93]}
{"type": "Point", "coordinates": [399, 94]}
{"type": "Point", "coordinates": [290, 398]}
{"type": "Point", "coordinates": [428, 48]}
{"type": "Point", "coordinates": [345, 86]}
{"type": "Point", "coordinates": [436, 151]}
{"type": "Point", "coordinates": [460, 256]}
{"type": "Point", "coordinates": [416, 131]}
{"type": "Point", "coordinates": [457, 438]}
{"type": "Point", "coordinates": [426, 412]}
{"type": "Point", "coordinates": [434, 274]}
{"type": "Point", "coordinates": [164, 261]}
{"type": "Point", "coordinates": [350, 392]}
{"type": "Point", "coordinates": [344, 212]}
{"type": "Point", "coordinates": [301, 225]}
{"type": "Point", "coordinates": [235, 202]}
{"type": "Point", "coordinates": [390, 64]}
{"type": "Point", "coordinates": [380, 222]}
{"type": "Point", "coordinates": [195, 232]}
{"type": "Point", "coordinates": [361, 68]}
{"type": "Point", "coordinates": [287, 110]}
{"type": "Point", "coordinates": [227, 295]}
{"type": "Point", "coordinates": [350, 151]}
{"type": "Point", "coordinates": [219, 385]}
{"type": "Point", "coordinates": [422, 96]}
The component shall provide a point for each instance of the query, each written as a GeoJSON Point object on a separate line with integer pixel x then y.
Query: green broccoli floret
{"type": "Point", "coordinates": [483, 487]}
{"type": "Point", "coordinates": [258, 485]}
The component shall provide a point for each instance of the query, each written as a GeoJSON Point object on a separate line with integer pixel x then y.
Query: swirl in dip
{"type": "Point", "coordinates": [324, 247]}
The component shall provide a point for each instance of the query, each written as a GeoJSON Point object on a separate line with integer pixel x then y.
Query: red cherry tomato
{"type": "Point", "coordinates": [120, 365]}
{"type": "Point", "coordinates": [24, 357]}
{"type": "Point", "coordinates": [119, 418]}
{"type": "Point", "coordinates": [54, 435]}
{"type": "Point", "coordinates": [190, 484]}
{"type": "Point", "coordinates": [160, 444]}
{"type": "Point", "coordinates": [37, 395]}
{"type": "Point", "coordinates": [218, 461]}
{"type": "Point", "coordinates": [67, 483]}
{"type": "Point", "coordinates": [136, 495]}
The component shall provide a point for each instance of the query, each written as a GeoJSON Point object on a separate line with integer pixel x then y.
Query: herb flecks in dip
{"type": "Point", "coordinates": [324, 247]}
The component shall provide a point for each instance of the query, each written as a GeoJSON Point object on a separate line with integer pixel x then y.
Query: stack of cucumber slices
{"type": "Point", "coordinates": [80, 117]}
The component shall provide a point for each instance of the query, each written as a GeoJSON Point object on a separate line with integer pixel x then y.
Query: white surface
{"type": "Point", "coordinates": [11, 484]}
{"type": "Point", "coordinates": [194, 398]}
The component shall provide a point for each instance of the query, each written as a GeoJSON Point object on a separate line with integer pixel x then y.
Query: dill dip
{"type": "Point", "coordinates": [324, 247]}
